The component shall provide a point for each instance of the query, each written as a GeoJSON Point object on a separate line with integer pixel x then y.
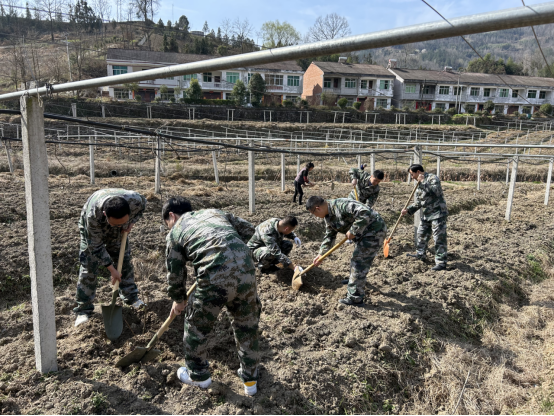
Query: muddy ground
{"type": "Point", "coordinates": [317, 356]}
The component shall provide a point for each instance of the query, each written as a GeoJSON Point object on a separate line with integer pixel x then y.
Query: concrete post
{"type": "Point", "coordinates": [251, 182]}
{"type": "Point", "coordinates": [409, 176]}
{"type": "Point", "coordinates": [548, 180]}
{"type": "Point", "coordinates": [74, 109]}
{"type": "Point", "coordinates": [372, 163]}
{"type": "Point", "coordinates": [359, 160]}
{"type": "Point", "coordinates": [418, 159]}
{"type": "Point", "coordinates": [507, 171]}
{"type": "Point", "coordinates": [283, 172]}
{"type": "Point", "coordinates": [438, 167]}
{"type": "Point", "coordinates": [512, 189]}
{"type": "Point", "coordinates": [103, 111]}
{"type": "Point", "coordinates": [216, 173]}
{"type": "Point", "coordinates": [157, 184]}
{"type": "Point", "coordinates": [91, 154]}
{"type": "Point", "coordinates": [35, 163]}
{"type": "Point", "coordinates": [297, 164]}
{"type": "Point", "coordinates": [479, 174]}
{"type": "Point", "coordinates": [8, 145]}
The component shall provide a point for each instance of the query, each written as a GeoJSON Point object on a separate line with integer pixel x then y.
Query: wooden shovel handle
{"type": "Point", "coordinates": [405, 206]}
{"type": "Point", "coordinates": [120, 260]}
{"type": "Point", "coordinates": [356, 193]}
{"type": "Point", "coordinates": [172, 316]}
{"type": "Point", "coordinates": [311, 266]}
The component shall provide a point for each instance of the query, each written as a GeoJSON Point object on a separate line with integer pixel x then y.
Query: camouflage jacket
{"type": "Point", "coordinates": [367, 193]}
{"type": "Point", "coordinates": [348, 215]}
{"type": "Point", "coordinates": [214, 241]}
{"type": "Point", "coordinates": [96, 234]}
{"type": "Point", "coordinates": [430, 198]}
{"type": "Point", "coordinates": [268, 236]}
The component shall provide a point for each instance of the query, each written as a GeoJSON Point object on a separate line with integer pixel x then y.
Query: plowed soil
{"type": "Point", "coordinates": [317, 356]}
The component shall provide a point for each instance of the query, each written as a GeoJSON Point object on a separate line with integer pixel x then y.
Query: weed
{"type": "Point", "coordinates": [98, 374]}
{"type": "Point", "coordinates": [536, 272]}
{"type": "Point", "coordinates": [146, 397]}
{"type": "Point", "coordinates": [99, 401]}
{"type": "Point", "coordinates": [387, 406]}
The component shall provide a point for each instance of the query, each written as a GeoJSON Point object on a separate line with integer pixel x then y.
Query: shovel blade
{"type": "Point", "coordinates": [386, 248]}
{"type": "Point", "coordinates": [133, 357]}
{"type": "Point", "coordinates": [150, 356]}
{"type": "Point", "coordinates": [113, 321]}
{"type": "Point", "coordinates": [297, 281]}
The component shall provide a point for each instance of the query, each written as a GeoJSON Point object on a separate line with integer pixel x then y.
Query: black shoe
{"type": "Point", "coordinates": [417, 256]}
{"type": "Point", "coordinates": [439, 267]}
{"type": "Point", "coordinates": [350, 302]}
{"type": "Point", "coordinates": [344, 282]}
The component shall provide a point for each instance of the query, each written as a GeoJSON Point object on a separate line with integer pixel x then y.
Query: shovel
{"type": "Point", "coordinates": [386, 246]}
{"type": "Point", "coordinates": [144, 355]}
{"type": "Point", "coordinates": [113, 314]}
{"type": "Point", "coordinates": [297, 277]}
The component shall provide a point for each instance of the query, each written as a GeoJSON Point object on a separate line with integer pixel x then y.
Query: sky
{"type": "Point", "coordinates": [363, 17]}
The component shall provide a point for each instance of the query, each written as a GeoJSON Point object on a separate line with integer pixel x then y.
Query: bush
{"type": "Point", "coordinates": [438, 110]}
{"type": "Point", "coordinates": [158, 99]}
{"type": "Point", "coordinates": [172, 99]}
{"type": "Point", "coordinates": [138, 98]}
{"type": "Point", "coordinates": [288, 103]}
{"type": "Point", "coordinates": [357, 105]}
{"type": "Point", "coordinates": [546, 109]}
{"type": "Point", "coordinates": [488, 106]}
{"type": "Point", "coordinates": [421, 110]}
{"type": "Point", "coordinates": [393, 108]}
{"type": "Point", "coordinates": [516, 114]}
{"type": "Point", "coordinates": [452, 111]}
{"type": "Point", "coordinates": [406, 108]}
{"type": "Point", "coordinates": [342, 103]}
{"type": "Point", "coordinates": [304, 103]}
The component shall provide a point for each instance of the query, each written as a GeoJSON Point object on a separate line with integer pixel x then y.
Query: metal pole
{"type": "Point", "coordinates": [103, 111]}
{"type": "Point", "coordinates": [283, 171]}
{"type": "Point", "coordinates": [359, 160]}
{"type": "Point", "coordinates": [251, 181]}
{"type": "Point", "coordinates": [297, 163]}
{"type": "Point", "coordinates": [216, 173]}
{"type": "Point", "coordinates": [418, 158]}
{"type": "Point", "coordinates": [91, 155]}
{"type": "Point", "coordinates": [35, 164]}
{"type": "Point", "coordinates": [479, 174]}
{"type": "Point", "coordinates": [548, 180]}
{"type": "Point", "coordinates": [157, 184]}
{"type": "Point", "coordinates": [372, 163]}
{"type": "Point", "coordinates": [438, 167]}
{"type": "Point", "coordinates": [512, 189]}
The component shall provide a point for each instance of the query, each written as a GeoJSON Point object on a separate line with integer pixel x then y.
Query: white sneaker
{"type": "Point", "coordinates": [138, 303]}
{"type": "Point", "coordinates": [81, 319]}
{"type": "Point", "coordinates": [250, 388]}
{"type": "Point", "coordinates": [183, 374]}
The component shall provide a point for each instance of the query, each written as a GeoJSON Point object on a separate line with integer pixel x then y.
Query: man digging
{"type": "Point", "coordinates": [105, 216]}
{"type": "Point", "coordinates": [366, 184]}
{"type": "Point", "coordinates": [214, 241]}
{"type": "Point", "coordinates": [430, 197]}
{"type": "Point", "coordinates": [268, 245]}
{"type": "Point", "coordinates": [362, 226]}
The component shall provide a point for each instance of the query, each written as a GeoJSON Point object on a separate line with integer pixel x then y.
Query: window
{"type": "Point", "coordinates": [486, 92]}
{"type": "Point", "coordinates": [474, 92]}
{"type": "Point", "coordinates": [444, 90]}
{"type": "Point", "coordinates": [410, 88]}
{"type": "Point", "coordinates": [458, 90]}
{"type": "Point", "coordinates": [442, 106]}
{"type": "Point", "coordinates": [542, 95]}
{"type": "Point", "coordinates": [532, 94]}
{"type": "Point", "coordinates": [384, 84]}
{"type": "Point", "coordinates": [326, 82]}
{"type": "Point", "coordinates": [363, 84]}
{"type": "Point", "coordinates": [232, 77]}
{"type": "Point", "coordinates": [120, 94]}
{"type": "Point", "coordinates": [515, 93]}
{"type": "Point", "coordinates": [350, 83]}
{"type": "Point", "coordinates": [503, 93]}
{"type": "Point", "coordinates": [207, 77]}
{"type": "Point", "coordinates": [427, 90]}
{"type": "Point", "coordinates": [293, 80]}
{"type": "Point", "coordinates": [526, 110]}
{"type": "Point", "coordinates": [118, 69]}
{"type": "Point", "coordinates": [271, 79]}
{"type": "Point", "coordinates": [498, 109]}
{"type": "Point", "coordinates": [189, 77]}
{"type": "Point", "coordinates": [381, 102]}
{"type": "Point", "coordinates": [248, 77]}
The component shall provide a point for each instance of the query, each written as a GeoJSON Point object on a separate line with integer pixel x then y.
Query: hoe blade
{"type": "Point", "coordinates": [133, 357]}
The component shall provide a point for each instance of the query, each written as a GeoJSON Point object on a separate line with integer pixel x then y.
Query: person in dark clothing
{"type": "Point", "coordinates": [301, 180]}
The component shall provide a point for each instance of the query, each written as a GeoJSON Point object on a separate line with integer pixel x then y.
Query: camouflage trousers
{"type": "Point", "coordinates": [238, 293]}
{"type": "Point", "coordinates": [364, 252]}
{"type": "Point", "coordinates": [438, 229]}
{"type": "Point", "coordinates": [262, 256]}
{"type": "Point", "coordinates": [88, 281]}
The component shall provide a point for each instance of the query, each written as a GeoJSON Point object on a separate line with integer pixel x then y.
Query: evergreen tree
{"type": "Point", "coordinates": [27, 11]}
{"type": "Point", "coordinates": [205, 29]}
{"type": "Point", "coordinates": [256, 88]}
{"type": "Point", "coordinates": [169, 24]}
{"type": "Point", "coordinates": [194, 91]}
{"type": "Point", "coordinates": [239, 92]}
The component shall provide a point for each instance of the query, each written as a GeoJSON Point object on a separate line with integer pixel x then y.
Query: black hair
{"type": "Point", "coordinates": [176, 204]}
{"type": "Point", "coordinates": [290, 221]}
{"type": "Point", "coordinates": [379, 174]}
{"type": "Point", "coordinates": [117, 207]}
{"type": "Point", "coordinates": [309, 165]}
{"type": "Point", "coordinates": [314, 201]}
{"type": "Point", "coordinates": [415, 167]}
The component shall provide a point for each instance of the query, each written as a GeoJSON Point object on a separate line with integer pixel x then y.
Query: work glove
{"type": "Point", "coordinates": [297, 241]}
{"type": "Point", "coordinates": [298, 269]}
{"type": "Point", "coordinates": [349, 241]}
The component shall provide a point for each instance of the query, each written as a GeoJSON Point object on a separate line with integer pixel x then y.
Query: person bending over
{"type": "Point", "coordinates": [301, 180]}
{"type": "Point", "coordinates": [366, 184]}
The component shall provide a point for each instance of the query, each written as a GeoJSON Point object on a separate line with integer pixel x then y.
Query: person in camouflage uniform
{"type": "Point", "coordinates": [214, 242]}
{"type": "Point", "coordinates": [367, 185]}
{"type": "Point", "coordinates": [268, 245]}
{"type": "Point", "coordinates": [362, 225]}
{"type": "Point", "coordinates": [106, 214]}
{"type": "Point", "coordinates": [430, 198]}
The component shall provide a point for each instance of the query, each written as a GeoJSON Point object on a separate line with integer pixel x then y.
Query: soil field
{"type": "Point", "coordinates": [408, 350]}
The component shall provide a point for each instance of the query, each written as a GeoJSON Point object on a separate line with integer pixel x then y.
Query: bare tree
{"type": "Point", "coordinates": [146, 9]}
{"type": "Point", "coordinates": [51, 8]}
{"type": "Point", "coordinates": [102, 9]}
{"type": "Point", "coordinates": [226, 28]}
{"type": "Point", "coordinates": [331, 26]}
{"type": "Point", "coordinates": [242, 30]}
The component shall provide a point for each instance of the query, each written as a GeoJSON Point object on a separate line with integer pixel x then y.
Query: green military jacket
{"type": "Point", "coordinates": [430, 198]}
{"type": "Point", "coordinates": [97, 236]}
{"type": "Point", "coordinates": [215, 242]}
{"type": "Point", "coordinates": [267, 235]}
{"type": "Point", "coordinates": [349, 215]}
{"type": "Point", "coordinates": [367, 193]}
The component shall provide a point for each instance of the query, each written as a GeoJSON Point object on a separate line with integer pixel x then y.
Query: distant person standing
{"type": "Point", "coordinates": [430, 198]}
{"type": "Point", "coordinates": [302, 180]}
{"type": "Point", "coordinates": [366, 184]}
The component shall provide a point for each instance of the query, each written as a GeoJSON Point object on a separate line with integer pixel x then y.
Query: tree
{"type": "Point", "coordinates": [102, 9]}
{"type": "Point", "coordinates": [84, 17]}
{"type": "Point", "coordinates": [331, 26]}
{"type": "Point", "coordinates": [239, 92]}
{"type": "Point", "coordinates": [546, 109]}
{"type": "Point", "coordinates": [342, 103]}
{"type": "Point", "coordinates": [183, 23]}
{"type": "Point", "coordinates": [169, 25]}
{"type": "Point", "coordinates": [205, 28]}
{"type": "Point", "coordinates": [241, 29]}
{"type": "Point", "coordinates": [133, 87]}
{"type": "Point", "coordinates": [27, 11]}
{"type": "Point", "coordinates": [488, 106]}
{"type": "Point", "coordinates": [146, 9]}
{"type": "Point", "coordinates": [194, 91]}
{"type": "Point", "coordinates": [50, 8]}
{"type": "Point", "coordinates": [256, 88]}
{"type": "Point", "coordinates": [276, 34]}
{"type": "Point", "coordinates": [160, 24]}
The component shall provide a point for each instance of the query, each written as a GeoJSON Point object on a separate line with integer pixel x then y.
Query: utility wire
{"type": "Point", "coordinates": [539, 45]}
